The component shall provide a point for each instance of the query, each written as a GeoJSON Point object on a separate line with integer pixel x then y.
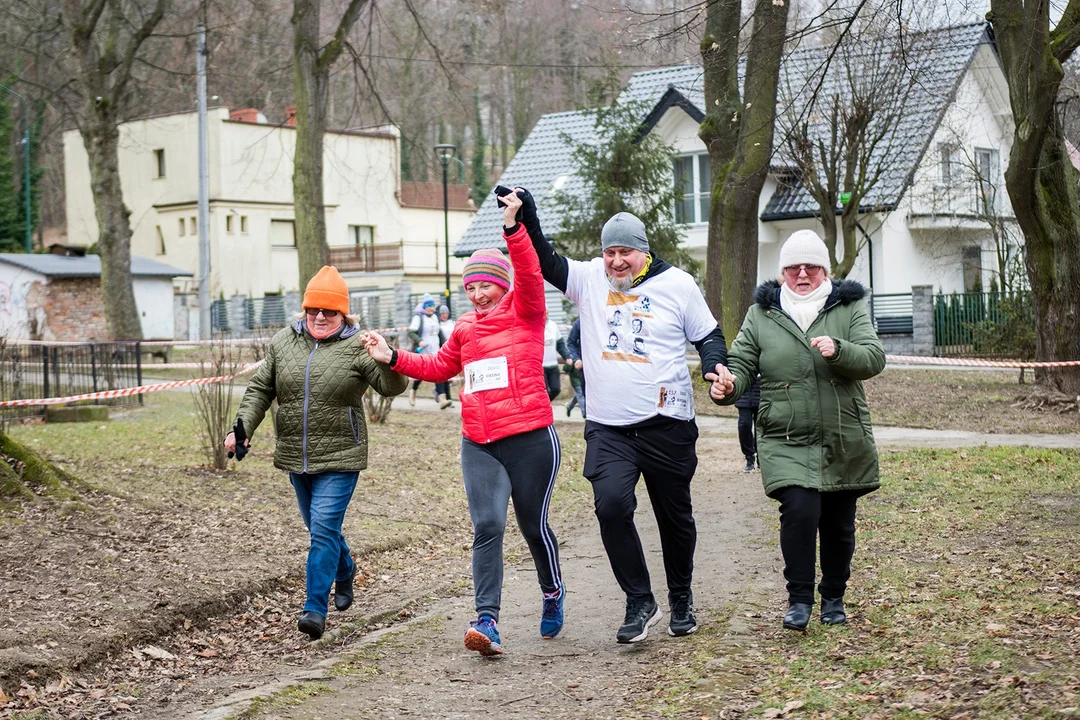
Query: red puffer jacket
{"type": "Point", "coordinates": [514, 330]}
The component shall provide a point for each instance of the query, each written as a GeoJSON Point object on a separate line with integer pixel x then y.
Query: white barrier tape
{"type": "Point", "coordinates": [965, 362]}
{"type": "Point", "coordinates": [183, 343]}
{"type": "Point", "coordinates": [124, 392]}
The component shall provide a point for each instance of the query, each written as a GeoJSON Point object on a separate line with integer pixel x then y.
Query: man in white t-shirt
{"type": "Point", "coordinates": [637, 314]}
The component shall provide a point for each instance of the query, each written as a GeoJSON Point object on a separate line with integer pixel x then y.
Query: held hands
{"type": "Point", "coordinates": [824, 345]}
{"type": "Point", "coordinates": [230, 443]}
{"type": "Point", "coordinates": [376, 346]}
{"type": "Point", "coordinates": [513, 204]}
{"type": "Point", "coordinates": [723, 382]}
{"type": "Point", "coordinates": [577, 365]}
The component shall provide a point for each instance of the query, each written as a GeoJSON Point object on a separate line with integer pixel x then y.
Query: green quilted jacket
{"type": "Point", "coordinates": [813, 425]}
{"type": "Point", "coordinates": [319, 386]}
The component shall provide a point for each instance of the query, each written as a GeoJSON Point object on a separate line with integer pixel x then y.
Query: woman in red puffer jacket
{"type": "Point", "coordinates": [509, 448]}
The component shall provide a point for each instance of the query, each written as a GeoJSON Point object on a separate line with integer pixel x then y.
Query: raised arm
{"type": "Point", "coordinates": [554, 267]}
{"type": "Point", "coordinates": [529, 301]}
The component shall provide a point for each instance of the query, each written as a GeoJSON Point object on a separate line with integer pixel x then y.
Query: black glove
{"type": "Point", "coordinates": [527, 214]}
{"type": "Point", "coordinates": [501, 192]}
{"type": "Point", "coordinates": [241, 440]}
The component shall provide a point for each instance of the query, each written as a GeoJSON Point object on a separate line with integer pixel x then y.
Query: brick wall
{"type": "Point", "coordinates": [73, 309]}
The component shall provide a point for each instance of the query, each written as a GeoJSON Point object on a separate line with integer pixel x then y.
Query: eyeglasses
{"type": "Point", "coordinates": [810, 270]}
{"type": "Point", "coordinates": [328, 314]}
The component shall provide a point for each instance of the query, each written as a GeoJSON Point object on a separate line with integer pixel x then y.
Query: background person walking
{"type": "Point", "coordinates": [424, 333]}
{"type": "Point", "coordinates": [318, 372]}
{"type": "Point", "coordinates": [446, 329]}
{"type": "Point", "coordinates": [509, 449]}
{"type": "Point", "coordinates": [813, 343]}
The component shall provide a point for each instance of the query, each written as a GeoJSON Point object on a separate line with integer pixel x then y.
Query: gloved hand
{"type": "Point", "coordinates": [241, 440]}
{"type": "Point", "coordinates": [527, 214]}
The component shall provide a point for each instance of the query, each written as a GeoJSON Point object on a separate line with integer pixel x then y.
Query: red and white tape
{"type": "Point", "coordinates": [965, 362]}
{"type": "Point", "coordinates": [125, 392]}
{"type": "Point", "coordinates": [189, 343]}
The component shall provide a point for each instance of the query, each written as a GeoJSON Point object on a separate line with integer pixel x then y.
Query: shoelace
{"type": "Point", "coordinates": [681, 608]}
{"type": "Point", "coordinates": [551, 608]}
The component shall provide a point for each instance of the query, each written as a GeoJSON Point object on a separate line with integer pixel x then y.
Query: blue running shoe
{"type": "Point", "coordinates": [483, 636]}
{"type": "Point", "coordinates": [551, 619]}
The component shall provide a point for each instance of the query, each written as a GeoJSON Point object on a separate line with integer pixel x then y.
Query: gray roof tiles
{"type": "Point", "coordinates": [86, 266]}
{"type": "Point", "coordinates": [937, 58]}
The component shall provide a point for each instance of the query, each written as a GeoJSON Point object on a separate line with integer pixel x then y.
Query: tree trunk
{"type": "Point", "coordinates": [101, 138]}
{"type": "Point", "coordinates": [310, 88]}
{"type": "Point", "coordinates": [1041, 180]}
{"type": "Point", "coordinates": [739, 135]}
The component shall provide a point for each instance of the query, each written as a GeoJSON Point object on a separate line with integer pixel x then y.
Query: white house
{"type": "Point", "coordinates": [380, 230]}
{"type": "Point", "coordinates": [58, 298]}
{"type": "Point", "coordinates": [921, 216]}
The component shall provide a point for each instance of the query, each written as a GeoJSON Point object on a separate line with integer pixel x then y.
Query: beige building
{"type": "Point", "coordinates": [381, 231]}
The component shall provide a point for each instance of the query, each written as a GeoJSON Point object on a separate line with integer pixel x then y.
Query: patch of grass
{"type": "Point", "coordinates": [289, 697]}
{"type": "Point", "coordinates": [964, 601]}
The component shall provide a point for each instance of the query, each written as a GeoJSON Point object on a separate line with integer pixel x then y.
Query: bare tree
{"type": "Point", "coordinates": [738, 132]}
{"type": "Point", "coordinates": [1041, 179]}
{"type": "Point", "coordinates": [312, 62]}
{"type": "Point", "coordinates": [845, 138]}
{"type": "Point", "coordinates": [106, 39]}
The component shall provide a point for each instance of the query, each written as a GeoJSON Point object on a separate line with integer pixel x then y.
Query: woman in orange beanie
{"type": "Point", "coordinates": [318, 372]}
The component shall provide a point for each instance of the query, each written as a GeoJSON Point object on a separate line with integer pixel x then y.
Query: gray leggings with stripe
{"type": "Point", "coordinates": [522, 467]}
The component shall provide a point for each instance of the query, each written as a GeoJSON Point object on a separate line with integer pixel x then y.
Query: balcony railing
{"type": "Point", "coordinates": [368, 258]}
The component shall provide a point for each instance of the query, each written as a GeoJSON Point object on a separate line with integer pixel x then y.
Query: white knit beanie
{"type": "Point", "coordinates": [804, 247]}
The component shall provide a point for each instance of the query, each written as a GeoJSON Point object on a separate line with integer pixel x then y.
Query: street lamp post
{"type": "Point", "coordinates": [445, 153]}
{"type": "Point", "coordinates": [26, 167]}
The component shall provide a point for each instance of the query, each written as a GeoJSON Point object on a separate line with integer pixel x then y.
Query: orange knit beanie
{"type": "Point", "coordinates": [327, 291]}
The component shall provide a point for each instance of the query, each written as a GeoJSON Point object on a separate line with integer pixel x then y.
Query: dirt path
{"type": "Point", "coordinates": [421, 669]}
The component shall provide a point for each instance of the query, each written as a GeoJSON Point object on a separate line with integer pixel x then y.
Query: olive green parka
{"type": "Point", "coordinates": [813, 426]}
{"type": "Point", "coordinates": [319, 386]}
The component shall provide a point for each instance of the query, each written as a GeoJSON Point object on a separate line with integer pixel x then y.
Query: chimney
{"type": "Point", "coordinates": [290, 115]}
{"type": "Point", "coordinates": [250, 115]}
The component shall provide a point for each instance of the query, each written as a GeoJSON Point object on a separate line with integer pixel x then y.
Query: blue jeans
{"type": "Point", "coordinates": [323, 498]}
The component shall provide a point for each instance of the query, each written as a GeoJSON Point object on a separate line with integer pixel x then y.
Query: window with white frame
{"type": "Point", "coordinates": [182, 227]}
{"type": "Point", "coordinates": [282, 233]}
{"type": "Point", "coordinates": [947, 163]}
{"type": "Point", "coordinates": [243, 223]}
{"type": "Point", "coordinates": [986, 180]}
{"type": "Point", "coordinates": [159, 163]}
{"type": "Point", "coordinates": [193, 225]}
{"type": "Point", "coordinates": [692, 182]}
{"type": "Point", "coordinates": [160, 240]}
{"type": "Point", "coordinates": [361, 235]}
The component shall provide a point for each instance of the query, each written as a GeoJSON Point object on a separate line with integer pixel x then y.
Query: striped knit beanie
{"type": "Point", "coordinates": [488, 265]}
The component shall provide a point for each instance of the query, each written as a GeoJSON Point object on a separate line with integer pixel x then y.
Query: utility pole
{"type": "Point", "coordinates": [29, 222]}
{"type": "Point", "coordinates": [204, 187]}
{"type": "Point", "coordinates": [445, 152]}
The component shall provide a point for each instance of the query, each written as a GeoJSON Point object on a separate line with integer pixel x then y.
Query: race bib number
{"type": "Point", "coordinates": [675, 402]}
{"type": "Point", "coordinates": [486, 374]}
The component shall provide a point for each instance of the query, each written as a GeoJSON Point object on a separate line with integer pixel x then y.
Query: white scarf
{"type": "Point", "coordinates": [804, 309]}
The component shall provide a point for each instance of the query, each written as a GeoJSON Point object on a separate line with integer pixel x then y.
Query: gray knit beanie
{"type": "Point", "coordinates": [624, 230]}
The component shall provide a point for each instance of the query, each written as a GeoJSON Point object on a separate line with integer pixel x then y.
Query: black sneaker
{"type": "Point", "coordinates": [683, 620]}
{"type": "Point", "coordinates": [749, 464]}
{"type": "Point", "coordinates": [640, 616]}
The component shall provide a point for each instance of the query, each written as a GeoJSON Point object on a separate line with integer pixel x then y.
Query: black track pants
{"type": "Point", "coordinates": [664, 454]}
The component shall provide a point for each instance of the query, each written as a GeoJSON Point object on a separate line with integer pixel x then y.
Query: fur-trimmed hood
{"type": "Point", "coordinates": [844, 292]}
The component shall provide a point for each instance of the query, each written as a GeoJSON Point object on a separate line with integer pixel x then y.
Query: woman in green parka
{"type": "Point", "coordinates": [813, 343]}
{"type": "Point", "coordinates": [318, 370]}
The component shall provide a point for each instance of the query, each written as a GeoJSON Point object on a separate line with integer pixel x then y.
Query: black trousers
{"type": "Point", "coordinates": [807, 516]}
{"type": "Point", "coordinates": [747, 441]}
{"type": "Point", "coordinates": [552, 382]}
{"type": "Point", "coordinates": [664, 455]}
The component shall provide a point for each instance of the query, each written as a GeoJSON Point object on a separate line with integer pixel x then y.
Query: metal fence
{"type": "Point", "coordinates": [891, 313]}
{"type": "Point", "coordinates": [43, 371]}
{"type": "Point", "coordinates": [967, 323]}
